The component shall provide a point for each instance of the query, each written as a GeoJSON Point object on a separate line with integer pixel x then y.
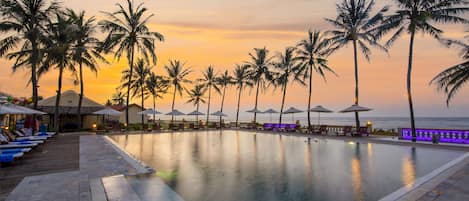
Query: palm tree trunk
{"type": "Point", "coordinates": [143, 106]}
{"type": "Point", "coordinates": [197, 116]}
{"type": "Point", "coordinates": [257, 96]}
{"type": "Point", "coordinates": [34, 81]}
{"type": "Point", "coordinates": [128, 88]}
{"type": "Point", "coordinates": [222, 102]}
{"type": "Point", "coordinates": [154, 108]}
{"type": "Point", "coordinates": [357, 118]}
{"type": "Point", "coordinates": [283, 102]}
{"type": "Point", "coordinates": [80, 100]}
{"type": "Point", "coordinates": [57, 101]}
{"type": "Point", "coordinates": [409, 87]}
{"type": "Point", "coordinates": [172, 107]}
{"type": "Point", "coordinates": [208, 104]}
{"type": "Point", "coordinates": [310, 93]}
{"type": "Point", "coordinates": [239, 101]}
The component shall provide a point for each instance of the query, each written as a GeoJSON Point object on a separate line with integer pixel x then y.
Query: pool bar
{"type": "Point", "coordinates": [443, 135]}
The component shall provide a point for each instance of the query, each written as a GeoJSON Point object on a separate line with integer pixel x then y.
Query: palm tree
{"type": "Point", "coordinates": [138, 84]}
{"type": "Point", "coordinates": [413, 16]}
{"type": "Point", "coordinates": [354, 23]}
{"type": "Point", "coordinates": [289, 70]}
{"type": "Point", "coordinates": [25, 20]}
{"type": "Point", "coordinates": [209, 81]}
{"type": "Point", "coordinates": [224, 81]}
{"type": "Point", "coordinates": [452, 79]}
{"type": "Point", "coordinates": [313, 52]}
{"type": "Point", "coordinates": [196, 96]}
{"type": "Point", "coordinates": [177, 74]}
{"type": "Point", "coordinates": [85, 50]}
{"type": "Point", "coordinates": [259, 65]}
{"type": "Point", "coordinates": [58, 53]}
{"type": "Point", "coordinates": [156, 87]}
{"type": "Point", "coordinates": [118, 98]}
{"type": "Point", "coordinates": [241, 79]}
{"type": "Point", "coordinates": [129, 34]}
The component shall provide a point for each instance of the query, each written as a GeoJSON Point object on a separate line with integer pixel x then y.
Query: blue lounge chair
{"type": "Point", "coordinates": [9, 157]}
{"type": "Point", "coordinates": [23, 150]}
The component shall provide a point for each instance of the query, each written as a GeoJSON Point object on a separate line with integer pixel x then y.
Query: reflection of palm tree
{"type": "Point", "coordinates": [128, 33]}
{"type": "Point", "coordinates": [416, 16]}
{"type": "Point", "coordinates": [452, 79]}
{"type": "Point", "coordinates": [156, 86]}
{"type": "Point", "coordinates": [196, 96]}
{"type": "Point", "coordinates": [289, 70]}
{"type": "Point", "coordinates": [259, 65]}
{"type": "Point", "coordinates": [313, 52]}
{"type": "Point", "coordinates": [25, 19]}
{"type": "Point", "coordinates": [177, 78]}
{"type": "Point", "coordinates": [355, 24]}
{"type": "Point", "coordinates": [224, 81]}
{"type": "Point", "coordinates": [241, 80]}
{"type": "Point", "coordinates": [209, 81]}
{"type": "Point", "coordinates": [138, 84]}
{"type": "Point", "coordinates": [84, 50]}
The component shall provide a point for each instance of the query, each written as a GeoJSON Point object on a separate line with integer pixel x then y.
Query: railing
{"type": "Point", "coordinates": [440, 135]}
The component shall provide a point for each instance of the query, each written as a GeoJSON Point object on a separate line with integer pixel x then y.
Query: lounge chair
{"type": "Point", "coordinates": [9, 137]}
{"type": "Point", "coordinates": [9, 157]}
{"type": "Point", "coordinates": [361, 131]}
{"type": "Point", "coordinates": [344, 131]}
{"type": "Point", "coordinates": [291, 127]}
{"type": "Point", "coordinates": [23, 150]}
{"type": "Point", "coordinates": [268, 126]}
{"type": "Point", "coordinates": [321, 130]}
{"type": "Point", "coordinates": [21, 136]}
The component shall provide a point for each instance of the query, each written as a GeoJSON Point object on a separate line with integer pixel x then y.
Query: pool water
{"type": "Point", "coordinates": [239, 165]}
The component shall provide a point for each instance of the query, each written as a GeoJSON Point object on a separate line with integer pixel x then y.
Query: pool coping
{"type": "Point", "coordinates": [139, 165]}
{"type": "Point", "coordinates": [405, 192]}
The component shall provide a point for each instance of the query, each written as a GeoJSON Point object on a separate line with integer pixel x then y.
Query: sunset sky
{"type": "Point", "coordinates": [222, 33]}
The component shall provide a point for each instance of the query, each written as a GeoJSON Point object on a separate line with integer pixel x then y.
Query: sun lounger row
{"type": "Point", "coordinates": [13, 145]}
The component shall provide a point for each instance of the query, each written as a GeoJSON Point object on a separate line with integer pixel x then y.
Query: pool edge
{"type": "Point", "coordinates": [409, 192]}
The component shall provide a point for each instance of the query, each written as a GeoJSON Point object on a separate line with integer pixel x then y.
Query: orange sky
{"type": "Point", "coordinates": [222, 32]}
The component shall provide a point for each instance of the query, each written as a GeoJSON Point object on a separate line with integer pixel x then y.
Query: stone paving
{"type": "Point", "coordinates": [97, 159]}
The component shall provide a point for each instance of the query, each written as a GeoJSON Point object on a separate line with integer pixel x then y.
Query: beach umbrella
{"type": "Point", "coordinates": [292, 111]}
{"type": "Point", "coordinates": [149, 112]}
{"type": "Point", "coordinates": [270, 112]}
{"type": "Point", "coordinates": [356, 108]}
{"type": "Point", "coordinates": [254, 111]}
{"type": "Point", "coordinates": [107, 111]}
{"type": "Point", "coordinates": [196, 114]}
{"type": "Point", "coordinates": [26, 110]}
{"type": "Point", "coordinates": [219, 114]}
{"type": "Point", "coordinates": [320, 109]}
{"type": "Point", "coordinates": [175, 113]}
{"type": "Point", "coordinates": [5, 109]}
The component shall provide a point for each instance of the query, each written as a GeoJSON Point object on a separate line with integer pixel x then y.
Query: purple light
{"type": "Point", "coordinates": [444, 135]}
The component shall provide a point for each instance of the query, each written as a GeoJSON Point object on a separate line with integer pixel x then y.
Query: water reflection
{"type": "Point", "coordinates": [233, 165]}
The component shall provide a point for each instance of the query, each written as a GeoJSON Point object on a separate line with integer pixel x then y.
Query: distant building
{"type": "Point", "coordinates": [134, 117]}
{"type": "Point", "coordinates": [68, 108]}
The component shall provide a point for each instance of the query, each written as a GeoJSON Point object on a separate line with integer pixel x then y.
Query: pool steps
{"type": "Point", "coordinates": [118, 189]}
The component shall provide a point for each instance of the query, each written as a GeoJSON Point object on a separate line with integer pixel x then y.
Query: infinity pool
{"type": "Point", "coordinates": [245, 166]}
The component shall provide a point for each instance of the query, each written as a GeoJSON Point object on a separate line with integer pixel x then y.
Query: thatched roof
{"type": "Point", "coordinates": [69, 104]}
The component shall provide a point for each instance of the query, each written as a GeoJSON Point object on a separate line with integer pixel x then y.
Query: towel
{"type": "Point", "coordinates": [6, 158]}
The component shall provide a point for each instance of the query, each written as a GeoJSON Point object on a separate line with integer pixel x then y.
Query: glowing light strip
{"type": "Point", "coordinates": [444, 135]}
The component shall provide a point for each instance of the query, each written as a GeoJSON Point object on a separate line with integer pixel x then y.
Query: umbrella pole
{"type": "Point", "coordinates": [319, 118]}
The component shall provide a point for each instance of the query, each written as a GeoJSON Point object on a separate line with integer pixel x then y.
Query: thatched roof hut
{"type": "Point", "coordinates": [69, 104]}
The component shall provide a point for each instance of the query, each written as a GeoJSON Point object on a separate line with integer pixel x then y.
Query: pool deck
{"type": "Point", "coordinates": [66, 168]}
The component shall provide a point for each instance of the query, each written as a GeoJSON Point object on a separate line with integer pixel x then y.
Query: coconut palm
{"type": "Point", "coordinates": [156, 87]}
{"type": "Point", "coordinates": [128, 34]}
{"type": "Point", "coordinates": [289, 70]}
{"type": "Point", "coordinates": [259, 65]}
{"type": "Point", "coordinates": [177, 74]}
{"type": "Point", "coordinates": [118, 98]}
{"type": "Point", "coordinates": [224, 81]}
{"type": "Point", "coordinates": [22, 27]}
{"type": "Point", "coordinates": [414, 16]}
{"type": "Point", "coordinates": [313, 52]}
{"type": "Point", "coordinates": [241, 79]}
{"type": "Point", "coordinates": [138, 84]}
{"type": "Point", "coordinates": [58, 53]}
{"type": "Point", "coordinates": [355, 24]}
{"type": "Point", "coordinates": [452, 79]}
{"type": "Point", "coordinates": [209, 81]}
{"type": "Point", "coordinates": [196, 96]}
{"type": "Point", "coordinates": [85, 50]}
